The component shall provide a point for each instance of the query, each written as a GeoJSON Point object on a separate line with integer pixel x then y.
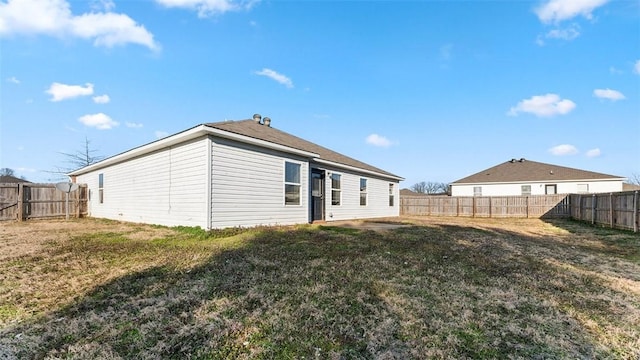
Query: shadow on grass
{"type": "Point", "coordinates": [331, 292]}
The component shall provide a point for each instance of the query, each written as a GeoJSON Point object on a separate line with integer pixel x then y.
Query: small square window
{"type": "Point", "coordinates": [477, 191]}
{"type": "Point", "coordinates": [583, 188]}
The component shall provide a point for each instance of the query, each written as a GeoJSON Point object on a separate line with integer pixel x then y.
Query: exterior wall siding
{"type": "Point", "coordinates": [538, 188]}
{"type": "Point", "coordinates": [248, 186]}
{"type": "Point", "coordinates": [350, 208]}
{"type": "Point", "coordinates": [167, 187]}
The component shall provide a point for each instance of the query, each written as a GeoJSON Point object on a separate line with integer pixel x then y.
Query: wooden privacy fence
{"type": "Point", "coordinates": [32, 201]}
{"type": "Point", "coordinates": [535, 206]}
{"type": "Point", "coordinates": [619, 210]}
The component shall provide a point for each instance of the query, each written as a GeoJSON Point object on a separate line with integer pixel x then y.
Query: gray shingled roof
{"type": "Point", "coordinates": [12, 179]}
{"type": "Point", "coordinates": [255, 130]}
{"type": "Point", "coordinates": [518, 170]}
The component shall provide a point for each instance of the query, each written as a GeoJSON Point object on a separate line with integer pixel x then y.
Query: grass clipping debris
{"type": "Point", "coordinates": [441, 288]}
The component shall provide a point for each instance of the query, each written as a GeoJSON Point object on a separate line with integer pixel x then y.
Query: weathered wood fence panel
{"type": "Point", "coordinates": [619, 210]}
{"type": "Point", "coordinates": [8, 201]}
{"type": "Point", "coordinates": [33, 201]}
{"type": "Point", "coordinates": [535, 206]}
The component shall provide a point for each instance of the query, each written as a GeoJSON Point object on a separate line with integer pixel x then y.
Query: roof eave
{"type": "Point", "coordinates": [353, 168]}
{"type": "Point", "coordinates": [536, 181]}
{"type": "Point", "coordinates": [193, 133]}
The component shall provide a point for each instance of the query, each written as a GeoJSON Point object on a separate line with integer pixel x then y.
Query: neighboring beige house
{"type": "Point", "coordinates": [236, 173]}
{"type": "Point", "coordinates": [630, 187]}
{"type": "Point", "coordinates": [526, 177]}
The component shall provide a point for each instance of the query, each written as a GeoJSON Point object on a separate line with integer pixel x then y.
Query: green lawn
{"type": "Point", "coordinates": [442, 288]}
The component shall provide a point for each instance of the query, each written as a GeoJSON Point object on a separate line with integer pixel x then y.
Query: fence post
{"type": "Point", "coordinates": [20, 202]}
{"type": "Point", "coordinates": [611, 210]}
{"type": "Point", "coordinates": [490, 215]}
{"type": "Point", "coordinates": [635, 211]}
{"type": "Point", "coordinates": [579, 207]}
{"type": "Point", "coordinates": [458, 207]}
{"type": "Point", "coordinates": [593, 209]}
{"type": "Point", "coordinates": [473, 206]}
{"type": "Point", "coordinates": [526, 199]}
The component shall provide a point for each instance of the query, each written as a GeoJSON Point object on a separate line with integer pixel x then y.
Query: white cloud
{"type": "Point", "coordinates": [99, 121]}
{"type": "Point", "coordinates": [101, 99]}
{"type": "Point", "coordinates": [54, 18]}
{"type": "Point", "coordinates": [543, 106]}
{"type": "Point", "coordinates": [568, 33]}
{"type": "Point", "coordinates": [61, 92]}
{"type": "Point", "coordinates": [13, 80]}
{"type": "Point", "coordinates": [564, 149]}
{"type": "Point", "coordinates": [559, 10]}
{"type": "Point", "coordinates": [593, 153]}
{"type": "Point", "coordinates": [609, 94]}
{"type": "Point", "coordinates": [282, 79]}
{"type": "Point", "coordinates": [614, 70]}
{"type": "Point", "coordinates": [133, 125]}
{"type": "Point", "coordinates": [636, 67]}
{"type": "Point", "coordinates": [377, 140]}
{"type": "Point", "coordinates": [102, 5]}
{"type": "Point", "coordinates": [208, 8]}
{"type": "Point", "coordinates": [161, 134]}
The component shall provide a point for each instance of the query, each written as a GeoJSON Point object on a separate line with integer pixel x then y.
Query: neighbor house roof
{"type": "Point", "coordinates": [519, 170]}
{"type": "Point", "coordinates": [256, 130]}
{"type": "Point", "coordinates": [12, 179]}
{"type": "Point", "coordinates": [246, 131]}
{"type": "Point", "coordinates": [407, 192]}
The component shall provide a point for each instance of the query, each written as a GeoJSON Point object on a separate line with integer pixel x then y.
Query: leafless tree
{"type": "Point", "coordinates": [634, 179]}
{"type": "Point", "coordinates": [420, 188]}
{"type": "Point", "coordinates": [7, 172]}
{"type": "Point", "coordinates": [78, 159]}
{"type": "Point", "coordinates": [430, 187]}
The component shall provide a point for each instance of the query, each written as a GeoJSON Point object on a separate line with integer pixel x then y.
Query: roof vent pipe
{"type": "Point", "coordinates": [267, 121]}
{"type": "Point", "coordinates": [257, 118]}
{"type": "Point", "coordinates": [521, 159]}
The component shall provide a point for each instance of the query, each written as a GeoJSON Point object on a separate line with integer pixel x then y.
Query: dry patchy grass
{"type": "Point", "coordinates": [441, 288]}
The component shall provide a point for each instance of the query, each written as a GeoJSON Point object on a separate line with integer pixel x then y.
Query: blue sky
{"type": "Point", "coordinates": [428, 90]}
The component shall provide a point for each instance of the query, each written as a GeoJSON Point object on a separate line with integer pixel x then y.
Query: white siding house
{"type": "Point", "coordinates": [236, 173]}
{"type": "Point", "coordinates": [521, 177]}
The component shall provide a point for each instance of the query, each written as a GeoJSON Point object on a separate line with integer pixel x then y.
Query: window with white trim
{"type": "Point", "coordinates": [291, 183]}
{"type": "Point", "coordinates": [391, 195]}
{"type": "Point", "coordinates": [101, 188]}
{"type": "Point", "coordinates": [336, 189]}
{"type": "Point", "coordinates": [363, 192]}
{"type": "Point", "coordinates": [525, 190]}
{"type": "Point", "coordinates": [583, 188]}
{"type": "Point", "coordinates": [477, 191]}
